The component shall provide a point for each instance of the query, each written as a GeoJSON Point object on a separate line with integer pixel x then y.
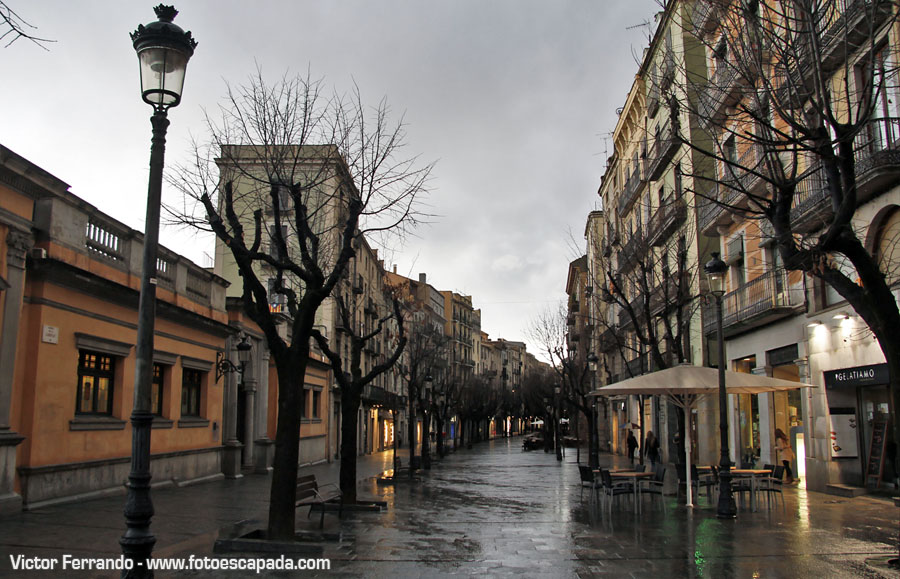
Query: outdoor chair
{"type": "Point", "coordinates": [610, 490]}
{"type": "Point", "coordinates": [654, 486]}
{"type": "Point", "coordinates": [681, 469]}
{"type": "Point", "coordinates": [741, 485]}
{"type": "Point", "coordinates": [640, 468]}
{"type": "Point", "coordinates": [773, 485]}
{"type": "Point", "coordinates": [707, 481]}
{"type": "Point", "coordinates": [587, 480]}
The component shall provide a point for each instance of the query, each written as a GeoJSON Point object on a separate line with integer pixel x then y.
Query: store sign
{"type": "Point", "coordinates": [858, 376]}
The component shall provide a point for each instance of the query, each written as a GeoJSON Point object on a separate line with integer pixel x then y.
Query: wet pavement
{"type": "Point", "coordinates": [498, 511]}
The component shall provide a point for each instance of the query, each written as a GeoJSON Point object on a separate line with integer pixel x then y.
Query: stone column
{"type": "Point", "coordinates": [231, 464]}
{"type": "Point", "coordinates": [265, 446]}
{"type": "Point", "coordinates": [250, 383]}
{"type": "Point", "coordinates": [18, 244]}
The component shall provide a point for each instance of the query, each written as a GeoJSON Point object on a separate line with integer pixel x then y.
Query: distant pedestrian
{"type": "Point", "coordinates": [783, 446]}
{"type": "Point", "coordinates": [651, 447]}
{"type": "Point", "coordinates": [632, 445]}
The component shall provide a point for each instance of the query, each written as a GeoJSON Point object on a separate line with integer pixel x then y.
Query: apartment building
{"type": "Point", "coordinates": [644, 250]}
{"type": "Point", "coordinates": [778, 320]}
{"type": "Point", "coordinates": [255, 177]}
{"type": "Point", "coordinates": [709, 153]}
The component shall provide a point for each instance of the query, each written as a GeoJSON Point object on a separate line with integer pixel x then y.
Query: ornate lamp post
{"type": "Point", "coordinates": [594, 451]}
{"type": "Point", "coordinates": [558, 414]}
{"type": "Point", "coordinates": [715, 272]}
{"type": "Point", "coordinates": [163, 50]}
{"type": "Point", "coordinates": [426, 424]}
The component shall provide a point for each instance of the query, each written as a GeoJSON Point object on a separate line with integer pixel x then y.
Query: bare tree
{"type": "Point", "coordinates": [802, 124]}
{"type": "Point", "coordinates": [351, 379]}
{"type": "Point", "coordinates": [13, 27]}
{"type": "Point", "coordinates": [571, 368]}
{"type": "Point", "coordinates": [288, 180]}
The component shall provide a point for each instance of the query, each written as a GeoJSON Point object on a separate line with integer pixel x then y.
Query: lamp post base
{"type": "Point", "coordinates": [725, 509]}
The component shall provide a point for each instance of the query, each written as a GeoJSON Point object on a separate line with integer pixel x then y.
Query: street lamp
{"type": "Point", "coordinates": [163, 50]}
{"type": "Point", "coordinates": [556, 392]}
{"type": "Point", "coordinates": [594, 451]}
{"type": "Point", "coordinates": [715, 272]}
{"type": "Point", "coordinates": [426, 422]}
{"type": "Point", "coordinates": [226, 366]}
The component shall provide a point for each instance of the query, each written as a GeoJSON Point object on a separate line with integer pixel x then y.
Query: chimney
{"type": "Point", "coordinates": [422, 278]}
{"type": "Point", "coordinates": [395, 269]}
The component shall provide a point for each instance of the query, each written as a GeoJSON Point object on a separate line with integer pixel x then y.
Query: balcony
{"type": "Point", "coordinates": [670, 215]}
{"type": "Point", "coordinates": [704, 17]}
{"type": "Point", "coordinates": [664, 147]}
{"type": "Point", "coordinates": [633, 250]}
{"type": "Point", "coordinates": [637, 366]}
{"type": "Point", "coordinates": [758, 302]}
{"type": "Point", "coordinates": [877, 154]}
{"type": "Point", "coordinates": [752, 168]}
{"type": "Point", "coordinates": [850, 28]}
{"type": "Point", "coordinates": [723, 90]}
{"type": "Point", "coordinates": [812, 202]}
{"type": "Point", "coordinates": [717, 207]}
{"type": "Point", "coordinates": [666, 71]}
{"type": "Point", "coordinates": [634, 186]}
{"type": "Point", "coordinates": [607, 340]}
{"type": "Point", "coordinates": [93, 238]}
{"type": "Point", "coordinates": [653, 100]}
{"type": "Point", "coordinates": [637, 306]}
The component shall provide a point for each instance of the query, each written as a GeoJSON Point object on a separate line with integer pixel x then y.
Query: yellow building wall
{"type": "Point", "coordinates": [45, 404]}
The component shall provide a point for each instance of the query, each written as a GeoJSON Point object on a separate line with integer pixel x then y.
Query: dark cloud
{"type": "Point", "coordinates": [512, 97]}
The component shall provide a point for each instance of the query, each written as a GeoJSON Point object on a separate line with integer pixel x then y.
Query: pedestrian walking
{"type": "Point", "coordinates": [651, 447]}
{"type": "Point", "coordinates": [632, 445]}
{"type": "Point", "coordinates": [783, 446]}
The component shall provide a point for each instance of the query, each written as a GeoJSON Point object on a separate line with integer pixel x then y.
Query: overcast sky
{"type": "Point", "coordinates": [514, 99]}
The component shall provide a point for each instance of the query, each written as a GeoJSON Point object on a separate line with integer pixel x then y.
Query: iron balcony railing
{"type": "Point", "coordinates": [765, 296]}
{"type": "Point", "coordinates": [633, 187]}
{"type": "Point", "coordinates": [664, 147]}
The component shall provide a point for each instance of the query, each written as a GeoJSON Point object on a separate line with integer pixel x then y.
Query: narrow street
{"type": "Point", "coordinates": [491, 510]}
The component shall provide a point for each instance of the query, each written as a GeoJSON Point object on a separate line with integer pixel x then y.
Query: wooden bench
{"type": "Point", "coordinates": [310, 493]}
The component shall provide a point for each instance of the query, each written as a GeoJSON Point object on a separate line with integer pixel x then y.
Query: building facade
{"type": "Point", "coordinates": [70, 322]}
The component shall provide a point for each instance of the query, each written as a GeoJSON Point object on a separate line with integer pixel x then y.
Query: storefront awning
{"type": "Point", "coordinates": [685, 385]}
{"type": "Point", "coordinates": [696, 380]}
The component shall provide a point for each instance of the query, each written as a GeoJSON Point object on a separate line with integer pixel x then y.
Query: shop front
{"type": "Point", "coordinates": [860, 431]}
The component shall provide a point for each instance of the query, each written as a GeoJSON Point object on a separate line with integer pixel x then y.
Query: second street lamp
{"type": "Point", "coordinates": [715, 272]}
{"type": "Point", "coordinates": [594, 443]}
{"type": "Point", "coordinates": [556, 418]}
{"type": "Point", "coordinates": [163, 50]}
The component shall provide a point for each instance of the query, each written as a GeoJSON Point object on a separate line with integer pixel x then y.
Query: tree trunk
{"type": "Point", "coordinates": [440, 440]}
{"type": "Point", "coordinates": [426, 450]}
{"type": "Point", "coordinates": [350, 403]}
{"type": "Point", "coordinates": [411, 432]}
{"type": "Point", "coordinates": [283, 492]}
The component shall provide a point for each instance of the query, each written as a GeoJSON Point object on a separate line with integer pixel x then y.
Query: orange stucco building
{"type": "Point", "coordinates": [70, 286]}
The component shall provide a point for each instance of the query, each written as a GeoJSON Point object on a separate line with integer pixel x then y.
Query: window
{"type": "Point", "coordinates": [156, 390]}
{"type": "Point", "coordinates": [95, 383]}
{"type": "Point", "coordinates": [303, 412]}
{"type": "Point", "coordinates": [316, 398]}
{"type": "Point", "coordinates": [191, 384]}
{"type": "Point", "coordinates": [284, 197]}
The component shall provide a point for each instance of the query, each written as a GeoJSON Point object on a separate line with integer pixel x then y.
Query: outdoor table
{"type": "Point", "coordinates": [753, 474]}
{"type": "Point", "coordinates": [634, 476]}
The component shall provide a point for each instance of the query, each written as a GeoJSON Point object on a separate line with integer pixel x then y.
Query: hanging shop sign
{"type": "Point", "coordinates": [858, 376]}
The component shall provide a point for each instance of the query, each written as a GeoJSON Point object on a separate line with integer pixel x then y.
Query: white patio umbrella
{"type": "Point", "coordinates": [685, 385]}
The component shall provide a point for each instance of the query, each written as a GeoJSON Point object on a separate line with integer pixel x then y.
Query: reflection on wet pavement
{"type": "Point", "coordinates": [499, 511]}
